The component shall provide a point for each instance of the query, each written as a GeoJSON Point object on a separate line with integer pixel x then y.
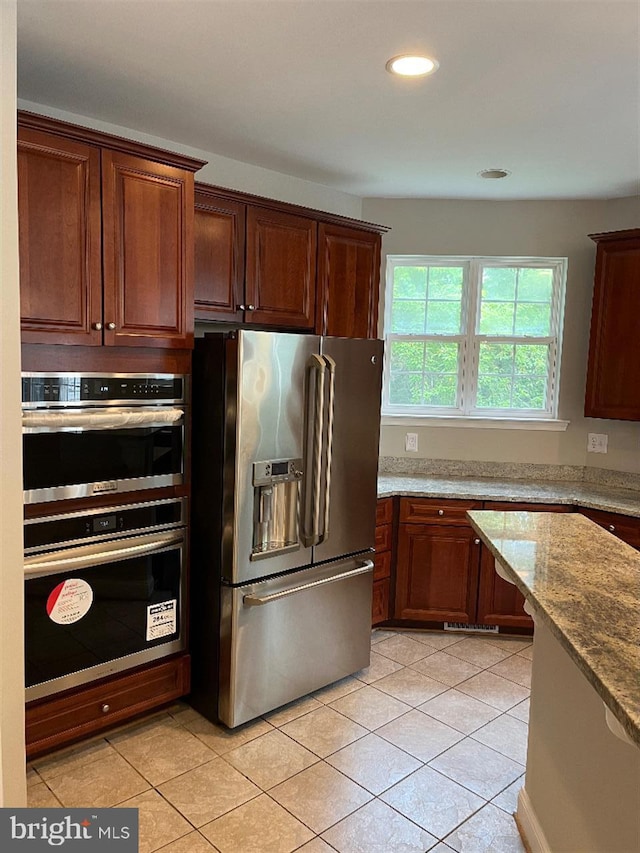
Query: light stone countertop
{"type": "Point", "coordinates": [585, 585]}
{"type": "Point", "coordinates": [608, 498]}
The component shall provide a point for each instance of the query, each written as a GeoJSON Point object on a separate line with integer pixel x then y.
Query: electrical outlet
{"type": "Point", "coordinates": [597, 442]}
{"type": "Point", "coordinates": [411, 442]}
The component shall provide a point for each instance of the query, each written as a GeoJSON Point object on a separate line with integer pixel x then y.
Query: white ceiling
{"type": "Point", "coordinates": [548, 89]}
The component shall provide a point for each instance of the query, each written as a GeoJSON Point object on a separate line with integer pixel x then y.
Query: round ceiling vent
{"type": "Point", "coordinates": [493, 174]}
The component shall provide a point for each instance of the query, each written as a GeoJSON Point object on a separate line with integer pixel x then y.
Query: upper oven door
{"type": "Point", "coordinates": [81, 453]}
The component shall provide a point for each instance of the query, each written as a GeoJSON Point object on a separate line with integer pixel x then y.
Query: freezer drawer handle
{"type": "Point", "coordinates": [258, 600]}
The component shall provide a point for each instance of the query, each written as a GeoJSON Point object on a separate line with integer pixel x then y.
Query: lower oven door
{"type": "Point", "coordinates": [285, 637]}
{"type": "Point", "coordinates": [100, 609]}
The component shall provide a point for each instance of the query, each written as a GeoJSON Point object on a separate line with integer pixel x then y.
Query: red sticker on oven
{"type": "Point", "coordinates": [69, 601]}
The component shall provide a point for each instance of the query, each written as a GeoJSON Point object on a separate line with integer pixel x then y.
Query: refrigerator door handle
{"type": "Point", "coordinates": [331, 367]}
{"type": "Point", "coordinates": [316, 368]}
{"type": "Point", "coordinates": [251, 600]}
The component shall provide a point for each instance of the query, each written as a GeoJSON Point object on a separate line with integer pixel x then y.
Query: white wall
{"type": "Point", "coordinates": [225, 172]}
{"type": "Point", "coordinates": [543, 228]}
{"type": "Point", "coordinates": [12, 772]}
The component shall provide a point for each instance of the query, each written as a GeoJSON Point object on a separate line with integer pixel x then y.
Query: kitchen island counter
{"type": "Point", "coordinates": [583, 588]}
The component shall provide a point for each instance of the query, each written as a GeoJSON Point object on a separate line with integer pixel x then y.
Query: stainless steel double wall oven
{"type": "Point", "coordinates": [104, 586]}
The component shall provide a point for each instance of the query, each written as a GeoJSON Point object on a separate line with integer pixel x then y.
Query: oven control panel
{"type": "Point", "coordinates": [42, 389]}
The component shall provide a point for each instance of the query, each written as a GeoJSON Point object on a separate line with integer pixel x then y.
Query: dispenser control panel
{"type": "Point", "coordinates": [276, 471]}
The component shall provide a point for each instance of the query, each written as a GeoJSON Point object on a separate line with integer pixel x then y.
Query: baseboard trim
{"type": "Point", "coordinates": [529, 826]}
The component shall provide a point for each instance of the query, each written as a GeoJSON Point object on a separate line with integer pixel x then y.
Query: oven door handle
{"type": "Point", "coordinates": [106, 418]}
{"type": "Point", "coordinates": [71, 560]}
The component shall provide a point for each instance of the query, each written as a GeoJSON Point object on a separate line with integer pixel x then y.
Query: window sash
{"type": "Point", "coordinates": [469, 339]}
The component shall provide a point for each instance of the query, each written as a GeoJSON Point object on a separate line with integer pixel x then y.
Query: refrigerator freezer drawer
{"type": "Point", "coordinates": [283, 638]}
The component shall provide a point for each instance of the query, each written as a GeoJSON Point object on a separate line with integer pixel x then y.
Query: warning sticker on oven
{"type": "Point", "coordinates": [161, 619]}
{"type": "Point", "coordinates": [69, 601]}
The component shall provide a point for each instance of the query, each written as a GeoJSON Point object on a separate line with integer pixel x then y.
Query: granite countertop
{"type": "Point", "coordinates": [585, 585]}
{"type": "Point", "coordinates": [608, 498]}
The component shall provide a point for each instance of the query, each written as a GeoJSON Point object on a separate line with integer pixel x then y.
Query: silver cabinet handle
{"type": "Point", "coordinates": [331, 367]}
{"type": "Point", "coordinates": [251, 600]}
{"type": "Point", "coordinates": [440, 512]}
{"type": "Point", "coordinates": [612, 527]}
{"type": "Point", "coordinates": [97, 327]}
{"type": "Point", "coordinates": [476, 541]}
{"type": "Point", "coordinates": [87, 556]}
{"type": "Point", "coordinates": [316, 369]}
{"type": "Point", "coordinates": [105, 708]}
{"type": "Point", "coordinates": [251, 307]}
{"type": "Point", "coordinates": [241, 307]}
{"type": "Point", "coordinates": [111, 326]}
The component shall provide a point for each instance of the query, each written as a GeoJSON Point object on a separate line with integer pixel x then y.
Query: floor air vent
{"type": "Point", "coordinates": [465, 626]}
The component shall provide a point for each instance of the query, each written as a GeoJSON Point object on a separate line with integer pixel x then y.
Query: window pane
{"type": "Point", "coordinates": [405, 389]}
{"type": "Point", "coordinates": [497, 318]}
{"type": "Point", "coordinates": [529, 393]}
{"type": "Point", "coordinates": [535, 285]}
{"type": "Point", "coordinates": [407, 355]}
{"type": "Point", "coordinates": [494, 392]}
{"type": "Point", "coordinates": [495, 359]}
{"type": "Point", "coordinates": [408, 317]}
{"type": "Point", "coordinates": [499, 283]}
{"type": "Point", "coordinates": [533, 318]}
{"type": "Point", "coordinates": [443, 317]}
{"type": "Point", "coordinates": [445, 283]}
{"type": "Point", "coordinates": [512, 376]}
{"type": "Point", "coordinates": [441, 357]}
{"type": "Point", "coordinates": [440, 390]}
{"type": "Point", "coordinates": [409, 282]}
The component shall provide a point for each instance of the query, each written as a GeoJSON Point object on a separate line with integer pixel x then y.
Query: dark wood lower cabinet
{"type": "Point", "coordinates": [380, 601]}
{"type": "Point", "coordinates": [57, 721]}
{"type": "Point", "coordinates": [499, 602]}
{"type": "Point", "coordinates": [437, 573]}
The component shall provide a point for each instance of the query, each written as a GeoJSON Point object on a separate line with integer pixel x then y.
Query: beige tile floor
{"type": "Point", "coordinates": [424, 750]}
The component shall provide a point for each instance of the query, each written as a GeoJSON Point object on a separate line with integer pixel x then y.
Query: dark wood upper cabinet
{"type": "Point", "coordinates": [280, 285]}
{"type": "Point", "coordinates": [613, 390]}
{"type": "Point", "coordinates": [106, 238]}
{"type": "Point", "coordinates": [147, 217]}
{"type": "Point", "coordinates": [348, 281]}
{"type": "Point", "coordinates": [59, 223]}
{"type": "Point", "coordinates": [219, 231]}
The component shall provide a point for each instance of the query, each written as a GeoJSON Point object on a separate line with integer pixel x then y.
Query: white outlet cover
{"type": "Point", "coordinates": [597, 442]}
{"type": "Point", "coordinates": [411, 442]}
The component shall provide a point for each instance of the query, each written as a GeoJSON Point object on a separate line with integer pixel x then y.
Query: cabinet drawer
{"type": "Point", "coordinates": [625, 527]}
{"type": "Point", "coordinates": [68, 718]}
{"type": "Point", "coordinates": [380, 601]}
{"type": "Point", "coordinates": [383, 537]}
{"type": "Point", "coordinates": [436, 511]}
{"type": "Point", "coordinates": [382, 566]}
{"type": "Point", "coordinates": [384, 511]}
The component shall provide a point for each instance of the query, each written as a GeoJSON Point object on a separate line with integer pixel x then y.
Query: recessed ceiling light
{"type": "Point", "coordinates": [493, 174]}
{"type": "Point", "coordinates": [411, 66]}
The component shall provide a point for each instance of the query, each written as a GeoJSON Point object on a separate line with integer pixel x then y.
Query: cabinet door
{"type": "Point", "coordinates": [499, 602]}
{"type": "Point", "coordinates": [147, 214]}
{"type": "Point", "coordinates": [625, 527]}
{"type": "Point", "coordinates": [613, 390]}
{"type": "Point", "coordinates": [219, 258]}
{"type": "Point", "coordinates": [380, 601]}
{"type": "Point", "coordinates": [60, 239]}
{"type": "Point", "coordinates": [348, 280]}
{"type": "Point", "coordinates": [437, 573]}
{"type": "Point", "coordinates": [281, 269]}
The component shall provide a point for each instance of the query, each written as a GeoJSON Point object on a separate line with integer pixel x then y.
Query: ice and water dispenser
{"type": "Point", "coordinates": [276, 507]}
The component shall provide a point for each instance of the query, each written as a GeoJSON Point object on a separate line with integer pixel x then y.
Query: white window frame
{"type": "Point", "coordinates": [465, 411]}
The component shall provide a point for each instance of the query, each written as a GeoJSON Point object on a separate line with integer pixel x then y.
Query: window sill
{"type": "Point", "coordinates": [551, 424]}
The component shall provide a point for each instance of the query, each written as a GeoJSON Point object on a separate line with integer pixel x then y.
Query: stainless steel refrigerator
{"type": "Point", "coordinates": [284, 462]}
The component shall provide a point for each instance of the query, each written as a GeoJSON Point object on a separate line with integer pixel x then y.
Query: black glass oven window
{"type": "Point", "coordinates": [114, 626]}
{"type": "Point", "coordinates": [70, 458]}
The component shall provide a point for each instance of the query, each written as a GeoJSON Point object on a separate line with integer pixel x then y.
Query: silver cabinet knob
{"type": "Point", "coordinates": [111, 326]}
{"type": "Point", "coordinates": [251, 307]}
{"type": "Point", "coordinates": [476, 541]}
{"type": "Point", "coordinates": [241, 307]}
{"type": "Point", "coordinates": [97, 327]}
{"type": "Point", "coordinates": [105, 708]}
{"type": "Point", "coordinates": [440, 512]}
{"type": "Point", "coordinates": [612, 527]}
